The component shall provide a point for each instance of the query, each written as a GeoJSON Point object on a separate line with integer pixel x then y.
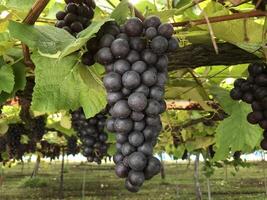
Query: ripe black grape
{"type": "Point", "coordinates": [134, 27]}
{"type": "Point", "coordinates": [136, 138]}
{"type": "Point", "coordinates": [88, 59]}
{"type": "Point", "coordinates": [166, 30]}
{"type": "Point", "coordinates": [121, 138]}
{"type": "Point", "coordinates": [139, 126]}
{"type": "Point", "coordinates": [112, 82]}
{"type": "Point", "coordinates": [142, 89]}
{"type": "Point", "coordinates": [139, 66]}
{"type": "Point", "coordinates": [152, 21]}
{"type": "Point", "coordinates": [120, 48]}
{"type": "Point", "coordinates": [133, 56]}
{"type": "Point", "coordinates": [121, 66]}
{"type": "Point", "coordinates": [104, 56]}
{"type": "Point", "coordinates": [137, 101]}
{"type": "Point", "coordinates": [123, 125]}
{"type": "Point", "coordinates": [159, 44]}
{"type": "Point", "coordinates": [137, 116]}
{"type": "Point", "coordinates": [113, 97]}
{"type": "Point", "coordinates": [131, 79]}
{"type": "Point", "coordinates": [106, 40]}
{"type": "Point", "coordinates": [137, 43]}
{"type": "Point", "coordinates": [121, 109]}
{"type": "Point", "coordinates": [149, 57]}
{"type": "Point", "coordinates": [151, 32]}
{"type": "Point", "coordinates": [173, 44]}
{"type": "Point", "coordinates": [149, 78]}
{"type": "Point", "coordinates": [137, 161]}
{"type": "Point", "coordinates": [121, 170]}
{"type": "Point", "coordinates": [118, 157]}
{"type": "Point", "coordinates": [129, 186]}
{"type": "Point", "coordinates": [127, 149]}
{"type": "Point", "coordinates": [162, 63]}
{"type": "Point", "coordinates": [136, 178]}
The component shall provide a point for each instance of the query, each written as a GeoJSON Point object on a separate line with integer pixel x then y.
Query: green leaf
{"type": "Point", "coordinates": [52, 8]}
{"type": "Point", "coordinates": [145, 6]}
{"type": "Point", "coordinates": [112, 149]}
{"type": "Point", "coordinates": [249, 38]}
{"type": "Point", "coordinates": [164, 15]}
{"type": "Point", "coordinates": [181, 3]}
{"type": "Point", "coordinates": [5, 42]}
{"type": "Point", "coordinates": [3, 128]}
{"type": "Point", "coordinates": [24, 139]}
{"type": "Point", "coordinates": [236, 133]}
{"type": "Point", "coordinates": [66, 122]}
{"type": "Point", "coordinates": [111, 138]}
{"type": "Point", "coordinates": [199, 142]}
{"type": "Point", "coordinates": [6, 79]}
{"type": "Point", "coordinates": [93, 99]}
{"type": "Point", "coordinates": [53, 138]}
{"type": "Point", "coordinates": [121, 12]}
{"type": "Point", "coordinates": [83, 37]}
{"type": "Point", "coordinates": [46, 39]}
{"type": "Point", "coordinates": [223, 97]}
{"type": "Point", "coordinates": [20, 81]}
{"type": "Point", "coordinates": [61, 129]}
{"type": "Point", "coordinates": [66, 85]}
{"type": "Point", "coordinates": [18, 5]}
{"type": "Point", "coordinates": [179, 151]}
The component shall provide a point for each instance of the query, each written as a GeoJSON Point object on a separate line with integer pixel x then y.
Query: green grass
{"type": "Point", "coordinates": [101, 183]}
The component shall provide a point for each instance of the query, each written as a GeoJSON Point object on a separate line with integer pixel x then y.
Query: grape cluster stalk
{"type": "Point", "coordinates": [134, 56]}
{"type": "Point", "coordinates": [77, 15]}
{"type": "Point", "coordinates": [253, 91]}
{"type": "Point", "coordinates": [92, 134]}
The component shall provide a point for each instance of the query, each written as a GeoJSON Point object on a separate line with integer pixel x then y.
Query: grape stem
{"type": "Point", "coordinates": [30, 19]}
{"type": "Point", "coordinates": [255, 13]}
{"type": "Point", "coordinates": [137, 13]}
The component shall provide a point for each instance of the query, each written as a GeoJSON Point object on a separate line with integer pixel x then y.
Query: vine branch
{"type": "Point", "coordinates": [137, 13]}
{"type": "Point", "coordinates": [256, 13]}
{"type": "Point", "coordinates": [30, 19]}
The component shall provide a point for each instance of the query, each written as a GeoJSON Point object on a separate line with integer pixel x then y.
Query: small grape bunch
{"type": "Point", "coordinates": [92, 134]}
{"type": "Point", "coordinates": [77, 15]}
{"type": "Point", "coordinates": [253, 91]}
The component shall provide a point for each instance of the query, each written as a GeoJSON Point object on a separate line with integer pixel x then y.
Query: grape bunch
{"type": "Point", "coordinates": [134, 56]}
{"type": "Point", "coordinates": [13, 137]}
{"type": "Point", "coordinates": [3, 145]}
{"type": "Point", "coordinates": [37, 127]}
{"type": "Point", "coordinates": [253, 91]}
{"type": "Point", "coordinates": [77, 15]}
{"type": "Point", "coordinates": [50, 150]}
{"type": "Point", "coordinates": [92, 134]}
{"type": "Point", "coordinates": [72, 146]}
